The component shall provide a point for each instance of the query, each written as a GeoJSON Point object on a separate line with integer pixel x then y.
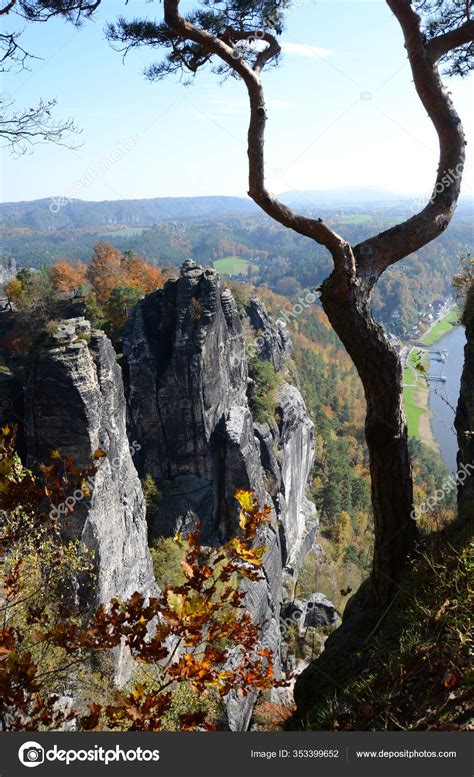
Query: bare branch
{"type": "Point", "coordinates": [23, 129]}
{"type": "Point", "coordinates": [11, 53]}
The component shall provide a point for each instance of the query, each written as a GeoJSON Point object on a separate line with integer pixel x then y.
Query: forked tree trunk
{"type": "Point", "coordinates": [346, 293]}
{"type": "Point", "coordinates": [347, 305]}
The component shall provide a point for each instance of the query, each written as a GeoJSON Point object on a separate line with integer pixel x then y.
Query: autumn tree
{"type": "Point", "coordinates": [14, 291]}
{"type": "Point", "coordinates": [105, 270]}
{"type": "Point", "coordinates": [119, 281]}
{"type": "Point", "coordinates": [67, 277]}
{"type": "Point", "coordinates": [239, 38]}
{"type": "Point", "coordinates": [35, 301]}
{"type": "Point", "coordinates": [140, 274]}
{"type": "Point", "coordinates": [121, 300]}
{"type": "Point", "coordinates": [195, 635]}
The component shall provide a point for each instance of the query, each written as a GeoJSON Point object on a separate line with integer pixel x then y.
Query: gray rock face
{"type": "Point", "coordinates": [8, 271]}
{"type": "Point", "coordinates": [321, 612]}
{"type": "Point", "coordinates": [272, 340]}
{"type": "Point", "coordinates": [286, 448]}
{"type": "Point", "coordinates": [75, 403]}
{"type": "Point", "coordinates": [298, 527]}
{"type": "Point", "coordinates": [315, 612]}
{"type": "Point", "coordinates": [186, 370]}
{"type": "Point", "coordinates": [190, 427]}
{"type": "Point", "coordinates": [187, 399]}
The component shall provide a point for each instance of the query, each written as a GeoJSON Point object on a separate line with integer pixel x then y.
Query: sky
{"type": "Point", "coordinates": [342, 112]}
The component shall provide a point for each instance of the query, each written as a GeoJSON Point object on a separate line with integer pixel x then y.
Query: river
{"type": "Point", "coordinates": [444, 396]}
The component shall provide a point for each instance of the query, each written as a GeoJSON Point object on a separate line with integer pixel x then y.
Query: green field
{"type": "Point", "coordinates": [356, 218]}
{"type": "Point", "coordinates": [125, 232]}
{"type": "Point", "coordinates": [233, 265]}
{"type": "Point", "coordinates": [441, 327]}
{"type": "Point", "coordinates": [413, 410]}
{"type": "Point", "coordinates": [416, 397]}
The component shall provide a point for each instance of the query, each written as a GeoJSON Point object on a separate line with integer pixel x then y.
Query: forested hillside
{"type": "Point", "coordinates": [284, 261]}
{"type": "Point", "coordinates": [340, 482]}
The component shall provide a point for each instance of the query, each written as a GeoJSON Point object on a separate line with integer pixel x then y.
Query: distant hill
{"type": "Point", "coordinates": [358, 197]}
{"type": "Point", "coordinates": [52, 214]}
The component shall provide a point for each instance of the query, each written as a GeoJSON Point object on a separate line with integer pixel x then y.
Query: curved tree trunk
{"type": "Point", "coordinates": [346, 302]}
{"type": "Point", "coordinates": [346, 293]}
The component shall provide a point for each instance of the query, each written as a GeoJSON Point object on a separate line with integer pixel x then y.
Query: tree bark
{"type": "Point", "coordinates": [346, 301]}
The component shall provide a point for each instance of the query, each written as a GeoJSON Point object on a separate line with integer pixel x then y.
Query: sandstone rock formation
{"type": "Point", "coordinates": [271, 341]}
{"type": "Point", "coordinates": [184, 419]}
{"type": "Point", "coordinates": [74, 402]}
{"type": "Point", "coordinates": [187, 378]}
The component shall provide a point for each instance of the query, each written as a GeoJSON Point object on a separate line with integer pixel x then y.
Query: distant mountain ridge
{"type": "Point", "coordinates": [57, 214]}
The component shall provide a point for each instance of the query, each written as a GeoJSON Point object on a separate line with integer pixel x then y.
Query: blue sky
{"type": "Point", "coordinates": [342, 112]}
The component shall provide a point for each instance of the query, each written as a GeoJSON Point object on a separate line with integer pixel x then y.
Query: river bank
{"type": "Point", "coordinates": [444, 395]}
{"type": "Point", "coordinates": [417, 391]}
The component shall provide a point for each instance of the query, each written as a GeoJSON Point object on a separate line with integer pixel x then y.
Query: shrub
{"type": "Point", "coordinates": [194, 636]}
{"type": "Point", "coordinates": [51, 328]}
{"type": "Point", "coordinates": [168, 559]}
{"type": "Point", "coordinates": [195, 309]}
{"type": "Point", "coordinates": [262, 389]}
{"type": "Point", "coordinates": [411, 670]}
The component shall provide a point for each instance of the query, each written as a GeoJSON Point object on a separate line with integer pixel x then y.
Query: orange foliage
{"type": "Point", "coordinates": [68, 277]}
{"type": "Point", "coordinates": [140, 274]}
{"type": "Point", "coordinates": [105, 272]}
{"type": "Point", "coordinates": [198, 633]}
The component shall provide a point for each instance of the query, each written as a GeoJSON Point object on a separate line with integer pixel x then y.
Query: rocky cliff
{"type": "Point", "coordinates": [187, 382]}
{"type": "Point", "coordinates": [465, 419]}
{"type": "Point", "coordinates": [187, 378]}
{"type": "Point", "coordinates": [183, 418]}
{"type": "Point", "coordinates": [8, 270]}
{"type": "Point", "coordinates": [74, 402]}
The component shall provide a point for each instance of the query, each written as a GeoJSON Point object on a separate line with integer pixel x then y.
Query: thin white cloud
{"type": "Point", "coordinates": [304, 50]}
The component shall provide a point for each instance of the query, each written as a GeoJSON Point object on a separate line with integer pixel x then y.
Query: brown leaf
{"type": "Point", "coordinates": [451, 678]}
{"type": "Point", "coordinates": [442, 610]}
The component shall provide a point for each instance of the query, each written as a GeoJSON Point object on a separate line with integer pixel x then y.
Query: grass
{"type": "Point", "coordinates": [413, 409]}
{"type": "Point", "coordinates": [233, 265]}
{"type": "Point", "coordinates": [442, 327]}
{"type": "Point", "coordinates": [413, 413]}
{"type": "Point", "coordinates": [414, 404]}
{"type": "Point", "coordinates": [413, 670]}
{"type": "Point", "coordinates": [355, 218]}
